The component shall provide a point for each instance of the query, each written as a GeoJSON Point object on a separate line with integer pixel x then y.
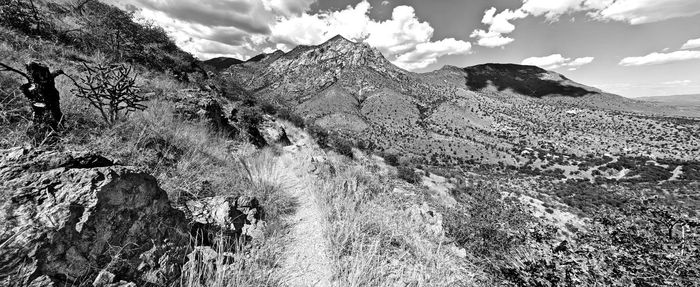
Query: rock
{"type": "Point", "coordinates": [71, 217]}
{"type": "Point", "coordinates": [458, 251]}
{"type": "Point", "coordinates": [195, 104]}
{"type": "Point", "coordinates": [273, 131]}
{"type": "Point", "coordinates": [428, 221]}
{"type": "Point", "coordinates": [66, 215]}
{"type": "Point", "coordinates": [228, 216]}
{"type": "Point", "coordinates": [104, 278]}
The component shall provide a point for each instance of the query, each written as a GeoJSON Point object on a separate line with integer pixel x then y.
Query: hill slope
{"type": "Point", "coordinates": [482, 114]}
{"type": "Point", "coordinates": [221, 63]}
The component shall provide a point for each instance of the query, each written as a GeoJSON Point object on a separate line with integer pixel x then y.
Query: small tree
{"type": "Point", "coordinates": [111, 89]}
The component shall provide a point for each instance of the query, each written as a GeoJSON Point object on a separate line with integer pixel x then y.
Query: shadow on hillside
{"type": "Point", "coordinates": [525, 80]}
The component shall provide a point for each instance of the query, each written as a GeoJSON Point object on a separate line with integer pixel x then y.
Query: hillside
{"type": "Point", "coordinates": [221, 63]}
{"type": "Point", "coordinates": [478, 114]}
{"type": "Point", "coordinates": [127, 162]}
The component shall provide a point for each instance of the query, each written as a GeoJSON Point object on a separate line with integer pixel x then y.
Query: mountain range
{"type": "Point", "coordinates": [486, 114]}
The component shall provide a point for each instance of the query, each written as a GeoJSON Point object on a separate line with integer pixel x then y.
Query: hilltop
{"type": "Point", "coordinates": [221, 63]}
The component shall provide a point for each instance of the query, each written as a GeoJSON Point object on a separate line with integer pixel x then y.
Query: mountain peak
{"type": "Point", "coordinates": [339, 39]}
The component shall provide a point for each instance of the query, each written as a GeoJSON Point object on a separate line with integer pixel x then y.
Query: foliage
{"type": "Point", "coordinates": [487, 224]}
{"type": "Point", "coordinates": [391, 159]}
{"type": "Point", "coordinates": [25, 17]}
{"type": "Point", "coordinates": [111, 89]}
{"type": "Point", "coordinates": [93, 26]}
{"type": "Point", "coordinates": [408, 174]}
{"type": "Point", "coordinates": [292, 117]}
{"type": "Point", "coordinates": [646, 243]}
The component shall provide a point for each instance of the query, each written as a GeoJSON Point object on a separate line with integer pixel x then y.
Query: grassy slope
{"type": "Point", "coordinates": [189, 157]}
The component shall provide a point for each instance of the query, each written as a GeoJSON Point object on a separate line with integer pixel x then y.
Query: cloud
{"type": "Point", "coordinates": [490, 39]}
{"type": "Point", "coordinates": [691, 44]}
{"type": "Point", "coordinates": [403, 39]}
{"type": "Point", "coordinates": [556, 61]}
{"type": "Point", "coordinates": [287, 7]}
{"type": "Point", "coordinates": [426, 54]}
{"type": "Point", "coordinates": [678, 83]}
{"type": "Point", "coordinates": [660, 58]}
{"type": "Point", "coordinates": [384, 3]}
{"type": "Point", "coordinates": [499, 24]}
{"type": "Point", "coordinates": [647, 11]}
{"type": "Point", "coordinates": [633, 12]}
{"type": "Point", "coordinates": [246, 15]}
{"type": "Point", "coordinates": [244, 28]}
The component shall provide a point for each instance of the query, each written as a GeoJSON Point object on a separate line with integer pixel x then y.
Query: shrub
{"type": "Point", "coordinates": [391, 159]}
{"type": "Point", "coordinates": [111, 89]}
{"type": "Point", "coordinates": [287, 114]}
{"type": "Point", "coordinates": [320, 134]}
{"type": "Point", "coordinates": [408, 174]}
{"type": "Point", "coordinates": [343, 147]}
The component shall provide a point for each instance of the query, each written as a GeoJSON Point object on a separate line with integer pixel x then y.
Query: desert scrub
{"type": "Point", "coordinates": [373, 241]}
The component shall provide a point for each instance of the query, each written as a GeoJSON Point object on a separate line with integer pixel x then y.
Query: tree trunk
{"type": "Point", "coordinates": [41, 91]}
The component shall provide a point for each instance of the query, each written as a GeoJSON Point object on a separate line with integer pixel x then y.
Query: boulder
{"type": "Point", "coordinates": [68, 215]}
{"type": "Point", "coordinates": [230, 217]}
{"type": "Point", "coordinates": [72, 218]}
{"type": "Point", "coordinates": [273, 131]}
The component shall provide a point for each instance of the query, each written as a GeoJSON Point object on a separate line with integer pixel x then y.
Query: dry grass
{"type": "Point", "coordinates": [373, 241]}
{"type": "Point", "coordinates": [185, 156]}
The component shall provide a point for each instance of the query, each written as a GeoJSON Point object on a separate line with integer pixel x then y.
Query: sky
{"type": "Point", "coordinates": [633, 48]}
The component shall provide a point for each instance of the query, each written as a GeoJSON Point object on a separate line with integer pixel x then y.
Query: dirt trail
{"type": "Point", "coordinates": [306, 262]}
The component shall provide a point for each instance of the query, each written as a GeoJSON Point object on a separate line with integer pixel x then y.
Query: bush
{"type": "Point", "coordinates": [318, 133]}
{"type": "Point", "coordinates": [111, 89]}
{"type": "Point", "coordinates": [287, 114]}
{"type": "Point", "coordinates": [408, 174]}
{"type": "Point", "coordinates": [391, 159]}
{"type": "Point", "coordinates": [343, 147]}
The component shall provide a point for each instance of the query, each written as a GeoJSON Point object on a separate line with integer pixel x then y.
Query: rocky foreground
{"type": "Point", "coordinates": [71, 218]}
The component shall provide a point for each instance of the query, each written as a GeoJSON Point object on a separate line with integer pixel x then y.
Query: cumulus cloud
{"type": "Point", "coordinates": [499, 24]}
{"type": "Point", "coordinates": [691, 44]}
{"type": "Point", "coordinates": [634, 12]}
{"type": "Point", "coordinates": [427, 53]}
{"type": "Point", "coordinates": [403, 39]}
{"type": "Point", "coordinates": [246, 15]}
{"type": "Point", "coordinates": [244, 28]}
{"type": "Point", "coordinates": [556, 61]}
{"type": "Point", "coordinates": [287, 7]}
{"type": "Point", "coordinates": [490, 39]}
{"type": "Point", "coordinates": [660, 58]}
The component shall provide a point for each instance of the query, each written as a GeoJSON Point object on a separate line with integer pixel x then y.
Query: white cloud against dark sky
{"type": "Point", "coordinates": [597, 42]}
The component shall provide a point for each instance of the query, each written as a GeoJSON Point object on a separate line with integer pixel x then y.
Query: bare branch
{"type": "Point", "coordinates": [10, 69]}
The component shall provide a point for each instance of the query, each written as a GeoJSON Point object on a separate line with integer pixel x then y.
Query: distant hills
{"type": "Point", "coordinates": [692, 99]}
{"type": "Point", "coordinates": [221, 63]}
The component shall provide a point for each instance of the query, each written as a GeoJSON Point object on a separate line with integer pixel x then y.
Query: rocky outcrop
{"type": "Point", "coordinates": [429, 223]}
{"type": "Point", "coordinates": [76, 219]}
{"type": "Point", "coordinates": [219, 215]}
{"type": "Point", "coordinates": [273, 131]}
{"type": "Point", "coordinates": [194, 104]}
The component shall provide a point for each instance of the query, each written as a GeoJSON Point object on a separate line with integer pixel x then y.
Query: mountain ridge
{"type": "Point", "coordinates": [476, 114]}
